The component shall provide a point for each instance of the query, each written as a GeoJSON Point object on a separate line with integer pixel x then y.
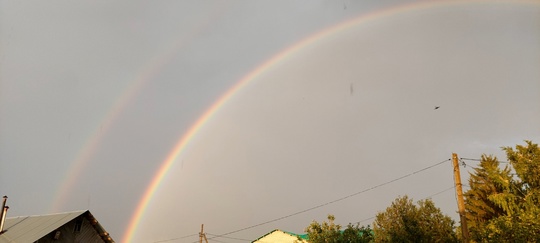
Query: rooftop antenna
{"type": "Point", "coordinates": [202, 235]}
{"type": "Point", "coordinates": [3, 213]}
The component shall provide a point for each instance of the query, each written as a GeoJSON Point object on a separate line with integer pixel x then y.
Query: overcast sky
{"type": "Point", "coordinates": [94, 96]}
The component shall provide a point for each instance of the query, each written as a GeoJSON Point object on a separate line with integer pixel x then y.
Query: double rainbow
{"type": "Point", "coordinates": [180, 146]}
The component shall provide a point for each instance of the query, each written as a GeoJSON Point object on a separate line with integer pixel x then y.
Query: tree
{"type": "Point", "coordinates": [488, 179]}
{"type": "Point", "coordinates": [405, 222]}
{"type": "Point", "coordinates": [329, 232]}
{"type": "Point", "coordinates": [512, 215]}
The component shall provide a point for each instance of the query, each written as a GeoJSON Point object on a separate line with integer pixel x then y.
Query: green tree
{"type": "Point", "coordinates": [330, 232]}
{"type": "Point", "coordinates": [486, 180]}
{"type": "Point", "coordinates": [403, 221]}
{"type": "Point", "coordinates": [502, 207]}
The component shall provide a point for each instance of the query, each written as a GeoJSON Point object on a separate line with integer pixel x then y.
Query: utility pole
{"type": "Point", "coordinates": [202, 235]}
{"type": "Point", "coordinates": [461, 203]}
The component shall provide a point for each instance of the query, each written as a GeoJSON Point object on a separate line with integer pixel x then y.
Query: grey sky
{"type": "Point", "coordinates": [293, 138]}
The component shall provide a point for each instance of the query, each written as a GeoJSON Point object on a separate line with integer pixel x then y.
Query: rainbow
{"type": "Point", "coordinates": [150, 69]}
{"type": "Point", "coordinates": [184, 141]}
{"type": "Point", "coordinates": [92, 144]}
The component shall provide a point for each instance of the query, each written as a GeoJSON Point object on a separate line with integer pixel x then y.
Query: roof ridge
{"type": "Point", "coordinates": [38, 215]}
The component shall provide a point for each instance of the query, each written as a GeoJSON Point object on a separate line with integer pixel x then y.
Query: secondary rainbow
{"type": "Point", "coordinates": [92, 144]}
{"type": "Point", "coordinates": [150, 69]}
{"type": "Point", "coordinates": [180, 146]}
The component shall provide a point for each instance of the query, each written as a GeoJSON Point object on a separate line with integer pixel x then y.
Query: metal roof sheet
{"type": "Point", "coordinates": [302, 236]}
{"type": "Point", "coordinates": [32, 228]}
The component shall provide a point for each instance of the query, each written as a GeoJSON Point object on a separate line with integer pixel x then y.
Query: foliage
{"type": "Point", "coordinates": [502, 207]}
{"type": "Point", "coordinates": [329, 232]}
{"type": "Point", "coordinates": [405, 222]}
{"type": "Point", "coordinates": [488, 179]}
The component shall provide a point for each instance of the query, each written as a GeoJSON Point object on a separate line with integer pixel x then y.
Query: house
{"type": "Point", "coordinates": [278, 236]}
{"type": "Point", "coordinates": [78, 226]}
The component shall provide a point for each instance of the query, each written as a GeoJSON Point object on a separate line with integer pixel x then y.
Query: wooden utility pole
{"type": "Point", "coordinates": [202, 235]}
{"type": "Point", "coordinates": [461, 203]}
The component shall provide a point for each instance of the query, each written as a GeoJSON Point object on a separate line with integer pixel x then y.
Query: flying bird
{"type": "Point", "coordinates": [437, 107]}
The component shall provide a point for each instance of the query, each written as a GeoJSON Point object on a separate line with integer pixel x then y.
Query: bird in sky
{"type": "Point", "coordinates": [437, 107]}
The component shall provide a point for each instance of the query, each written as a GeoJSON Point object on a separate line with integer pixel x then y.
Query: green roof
{"type": "Point", "coordinates": [304, 236]}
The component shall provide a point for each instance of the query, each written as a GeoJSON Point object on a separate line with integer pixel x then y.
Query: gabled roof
{"type": "Point", "coordinates": [32, 228]}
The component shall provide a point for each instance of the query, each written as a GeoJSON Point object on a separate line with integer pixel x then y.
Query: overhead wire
{"type": "Point", "coordinates": [502, 162]}
{"type": "Point", "coordinates": [312, 208]}
{"type": "Point", "coordinates": [351, 195]}
{"type": "Point", "coordinates": [219, 241]}
{"type": "Point", "coordinates": [178, 238]}
{"type": "Point", "coordinates": [435, 194]}
{"type": "Point", "coordinates": [430, 196]}
{"type": "Point", "coordinates": [364, 220]}
{"type": "Point", "coordinates": [330, 202]}
{"type": "Point", "coordinates": [228, 237]}
{"type": "Point", "coordinates": [183, 237]}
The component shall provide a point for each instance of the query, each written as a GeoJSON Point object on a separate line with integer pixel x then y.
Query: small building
{"type": "Point", "coordinates": [78, 226]}
{"type": "Point", "coordinates": [279, 236]}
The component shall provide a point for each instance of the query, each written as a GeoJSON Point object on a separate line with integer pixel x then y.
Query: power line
{"type": "Point", "coordinates": [430, 196]}
{"type": "Point", "coordinates": [330, 202]}
{"type": "Point", "coordinates": [363, 220]}
{"type": "Point", "coordinates": [178, 238]}
{"type": "Point", "coordinates": [435, 194]}
{"type": "Point", "coordinates": [228, 237]}
{"type": "Point", "coordinates": [502, 162]}
{"type": "Point", "coordinates": [315, 207]}
{"type": "Point", "coordinates": [220, 241]}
